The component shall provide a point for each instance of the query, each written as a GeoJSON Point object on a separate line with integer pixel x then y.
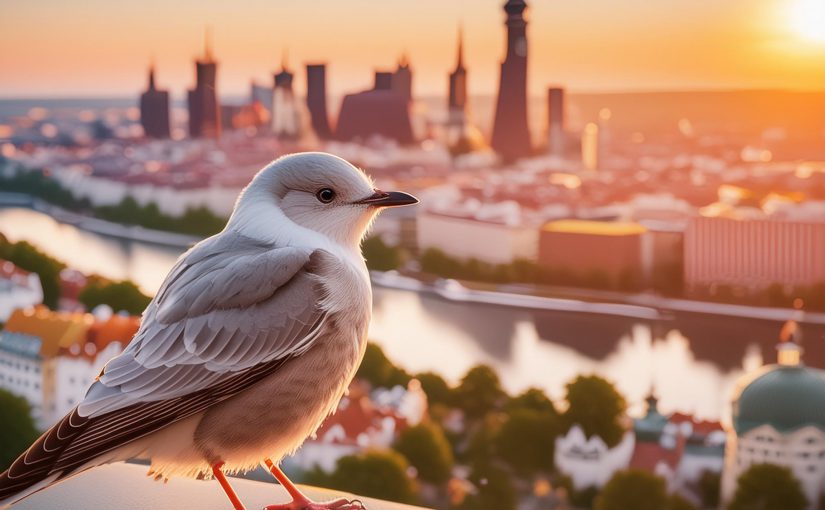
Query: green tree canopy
{"type": "Point", "coordinates": [379, 255]}
{"type": "Point", "coordinates": [597, 407]}
{"type": "Point", "coordinates": [479, 392]}
{"type": "Point", "coordinates": [375, 473]}
{"type": "Point", "coordinates": [17, 429]}
{"type": "Point", "coordinates": [436, 388]}
{"type": "Point", "coordinates": [427, 449]}
{"type": "Point", "coordinates": [120, 296]}
{"type": "Point", "coordinates": [634, 489]}
{"type": "Point", "coordinates": [768, 487]}
{"type": "Point", "coordinates": [494, 490]}
{"type": "Point", "coordinates": [678, 502]}
{"type": "Point", "coordinates": [532, 399]}
{"type": "Point", "coordinates": [29, 258]}
{"type": "Point", "coordinates": [710, 487]}
{"type": "Point", "coordinates": [379, 371]}
{"type": "Point", "coordinates": [526, 440]}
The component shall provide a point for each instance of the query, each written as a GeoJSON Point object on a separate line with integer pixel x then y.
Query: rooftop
{"type": "Point", "coordinates": [599, 228]}
{"type": "Point", "coordinates": [126, 487]}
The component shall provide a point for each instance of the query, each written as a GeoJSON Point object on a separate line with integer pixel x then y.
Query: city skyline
{"type": "Point", "coordinates": [667, 46]}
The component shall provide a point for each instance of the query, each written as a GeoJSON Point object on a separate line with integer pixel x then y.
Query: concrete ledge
{"type": "Point", "coordinates": [126, 487]}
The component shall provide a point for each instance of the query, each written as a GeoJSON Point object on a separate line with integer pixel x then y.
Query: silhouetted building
{"type": "Point", "coordinates": [381, 111]}
{"type": "Point", "coordinates": [286, 119]}
{"type": "Point", "coordinates": [383, 80]}
{"type": "Point", "coordinates": [555, 121]}
{"type": "Point", "coordinates": [154, 110]}
{"type": "Point", "coordinates": [317, 100]}
{"type": "Point", "coordinates": [461, 137]}
{"type": "Point", "coordinates": [204, 110]}
{"type": "Point", "coordinates": [511, 135]}
{"type": "Point", "coordinates": [402, 79]}
{"type": "Point", "coordinates": [457, 98]}
{"type": "Point", "coordinates": [590, 146]}
{"type": "Point", "coordinates": [261, 95]}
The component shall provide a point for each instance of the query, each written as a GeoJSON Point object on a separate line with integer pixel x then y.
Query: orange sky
{"type": "Point", "coordinates": [97, 47]}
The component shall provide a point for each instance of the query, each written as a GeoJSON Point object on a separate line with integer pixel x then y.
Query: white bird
{"type": "Point", "coordinates": [247, 347]}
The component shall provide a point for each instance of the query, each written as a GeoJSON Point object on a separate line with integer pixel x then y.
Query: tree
{"type": "Point", "coordinates": [120, 296]}
{"type": "Point", "coordinates": [494, 490]}
{"type": "Point", "coordinates": [597, 407]}
{"type": "Point", "coordinates": [479, 392]}
{"type": "Point", "coordinates": [710, 486]}
{"type": "Point", "coordinates": [527, 439]}
{"type": "Point", "coordinates": [17, 429]}
{"type": "Point", "coordinates": [768, 487]}
{"type": "Point", "coordinates": [27, 257]}
{"type": "Point", "coordinates": [379, 371]}
{"type": "Point", "coordinates": [678, 502]}
{"type": "Point", "coordinates": [436, 388]}
{"type": "Point", "coordinates": [427, 449]}
{"type": "Point", "coordinates": [532, 399]}
{"type": "Point", "coordinates": [375, 473]}
{"type": "Point", "coordinates": [379, 255]}
{"type": "Point", "coordinates": [633, 488]}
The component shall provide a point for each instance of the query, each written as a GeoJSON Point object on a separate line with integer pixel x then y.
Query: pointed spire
{"type": "Point", "coordinates": [152, 73]}
{"type": "Point", "coordinates": [460, 63]}
{"type": "Point", "coordinates": [284, 58]}
{"type": "Point", "coordinates": [403, 60]}
{"type": "Point", "coordinates": [207, 45]}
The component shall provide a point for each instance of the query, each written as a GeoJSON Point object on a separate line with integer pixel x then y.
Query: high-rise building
{"type": "Point", "coordinates": [461, 137]}
{"type": "Point", "coordinates": [402, 79]}
{"type": "Point", "coordinates": [286, 119]}
{"type": "Point", "coordinates": [383, 80]}
{"type": "Point", "coordinates": [154, 109]}
{"type": "Point", "coordinates": [317, 100]}
{"type": "Point", "coordinates": [382, 111]}
{"type": "Point", "coordinates": [555, 121]}
{"type": "Point", "coordinates": [590, 146]}
{"type": "Point", "coordinates": [261, 95]}
{"type": "Point", "coordinates": [204, 109]}
{"type": "Point", "coordinates": [457, 98]}
{"type": "Point", "coordinates": [511, 135]}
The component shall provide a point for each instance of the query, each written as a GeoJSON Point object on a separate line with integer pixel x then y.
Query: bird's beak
{"type": "Point", "coordinates": [388, 199]}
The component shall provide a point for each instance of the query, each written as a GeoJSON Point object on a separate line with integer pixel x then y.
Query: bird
{"type": "Point", "coordinates": [249, 344]}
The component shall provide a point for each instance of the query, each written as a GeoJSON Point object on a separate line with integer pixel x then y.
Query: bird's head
{"type": "Point", "coordinates": [317, 191]}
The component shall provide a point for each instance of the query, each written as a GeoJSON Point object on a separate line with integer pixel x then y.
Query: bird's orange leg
{"type": "Point", "coordinates": [230, 492]}
{"type": "Point", "coordinates": [300, 501]}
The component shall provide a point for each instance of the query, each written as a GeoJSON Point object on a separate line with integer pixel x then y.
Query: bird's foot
{"type": "Point", "coordinates": [307, 504]}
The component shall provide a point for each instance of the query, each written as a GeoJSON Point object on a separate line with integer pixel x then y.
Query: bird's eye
{"type": "Point", "coordinates": [325, 195]}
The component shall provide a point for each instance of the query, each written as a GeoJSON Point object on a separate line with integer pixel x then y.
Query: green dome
{"type": "Point", "coordinates": [786, 397]}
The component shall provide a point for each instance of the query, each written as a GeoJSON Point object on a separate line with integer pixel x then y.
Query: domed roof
{"type": "Point", "coordinates": [785, 397]}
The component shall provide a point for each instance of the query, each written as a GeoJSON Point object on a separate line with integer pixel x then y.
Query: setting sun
{"type": "Point", "coordinates": [808, 19]}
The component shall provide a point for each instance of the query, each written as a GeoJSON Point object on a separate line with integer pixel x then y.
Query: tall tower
{"type": "Point", "coordinates": [511, 135]}
{"type": "Point", "coordinates": [555, 121]}
{"type": "Point", "coordinates": [317, 100]}
{"type": "Point", "coordinates": [457, 116]}
{"type": "Point", "coordinates": [204, 110]}
{"type": "Point", "coordinates": [286, 120]}
{"type": "Point", "coordinates": [154, 109]}
{"type": "Point", "coordinates": [457, 99]}
{"type": "Point", "coordinates": [402, 79]}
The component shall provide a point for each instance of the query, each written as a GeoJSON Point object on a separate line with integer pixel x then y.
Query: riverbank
{"type": "Point", "coordinates": [98, 226]}
{"type": "Point", "coordinates": [573, 300]}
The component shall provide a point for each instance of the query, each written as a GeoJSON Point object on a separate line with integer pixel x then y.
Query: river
{"type": "Point", "coordinates": [691, 360]}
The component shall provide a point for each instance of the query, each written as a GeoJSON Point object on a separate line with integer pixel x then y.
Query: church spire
{"type": "Point", "coordinates": [207, 45]}
{"type": "Point", "coordinates": [460, 59]}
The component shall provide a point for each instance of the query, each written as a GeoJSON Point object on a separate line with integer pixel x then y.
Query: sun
{"type": "Point", "coordinates": [808, 19]}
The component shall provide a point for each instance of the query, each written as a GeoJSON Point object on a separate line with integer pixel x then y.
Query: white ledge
{"type": "Point", "coordinates": [126, 487]}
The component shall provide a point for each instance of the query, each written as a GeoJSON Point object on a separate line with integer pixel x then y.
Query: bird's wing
{"type": "Point", "coordinates": [229, 314]}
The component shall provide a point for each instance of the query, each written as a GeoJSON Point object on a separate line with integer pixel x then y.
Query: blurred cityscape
{"type": "Point", "coordinates": [603, 295]}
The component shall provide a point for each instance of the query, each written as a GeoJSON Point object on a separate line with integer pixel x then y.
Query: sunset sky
{"type": "Point", "coordinates": [102, 47]}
